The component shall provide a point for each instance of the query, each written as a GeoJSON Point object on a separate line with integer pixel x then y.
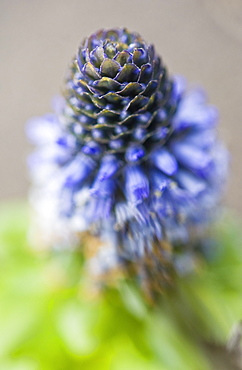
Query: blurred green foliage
{"type": "Point", "coordinates": [50, 321]}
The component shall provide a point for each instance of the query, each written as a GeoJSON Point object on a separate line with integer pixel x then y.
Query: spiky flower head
{"type": "Point", "coordinates": [129, 155]}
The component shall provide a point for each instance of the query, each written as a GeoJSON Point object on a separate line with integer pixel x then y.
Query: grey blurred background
{"type": "Point", "coordinates": [201, 39]}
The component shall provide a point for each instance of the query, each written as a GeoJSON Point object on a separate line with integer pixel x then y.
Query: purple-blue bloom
{"type": "Point", "coordinates": [130, 154]}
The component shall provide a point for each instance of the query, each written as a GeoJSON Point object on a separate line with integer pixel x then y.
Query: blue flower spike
{"type": "Point", "coordinates": [130, 155]}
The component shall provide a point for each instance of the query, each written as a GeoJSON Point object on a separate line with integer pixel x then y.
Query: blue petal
{"type": "Point", "coordinates": [134, 153]}
{"type": "Point", "coordinates": [52, 154]}
{"type": "Point", "coordinates": [181, 201]}
{"type": "Point", "coordinates": [139, 133]}
{"type": "Point", "coordinates": [203, 139]}
{"type": "Point", "coordinates": [108, 167]}
{"type": "Point", "coordinates": [161, 133]}
{"type": "Point", "coordinates": [43, 130]}
{"type": "Point", "coordinates": [165, 161]}
{"type": "Point", "coordinates": [103, 189]}
{"type": "Point", "coordinates": [98, 208]}
{"type": "Point", "coordinates": [193, 158]}
{"type": "Point", "coordinates": [77, 170]}
{"type": "Point", "coordinates": [163, 205]}
{"type": "Point", "coordinates": [92, 148]}
{"type": "Point", "coordinates": [194, 112]}
{"type": "Point", "coordinates": [66, 141]}
{"type": "Point", "coordinates": [158, 181]}
{"type": "Point", "coordinates": [137, 184]}
{"type": "Point", "coordinates": [191, 183]}
{"type": "Point", "coordinates": [116, 144]}
{"type": "Point", "coordinates": [173, 204]}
